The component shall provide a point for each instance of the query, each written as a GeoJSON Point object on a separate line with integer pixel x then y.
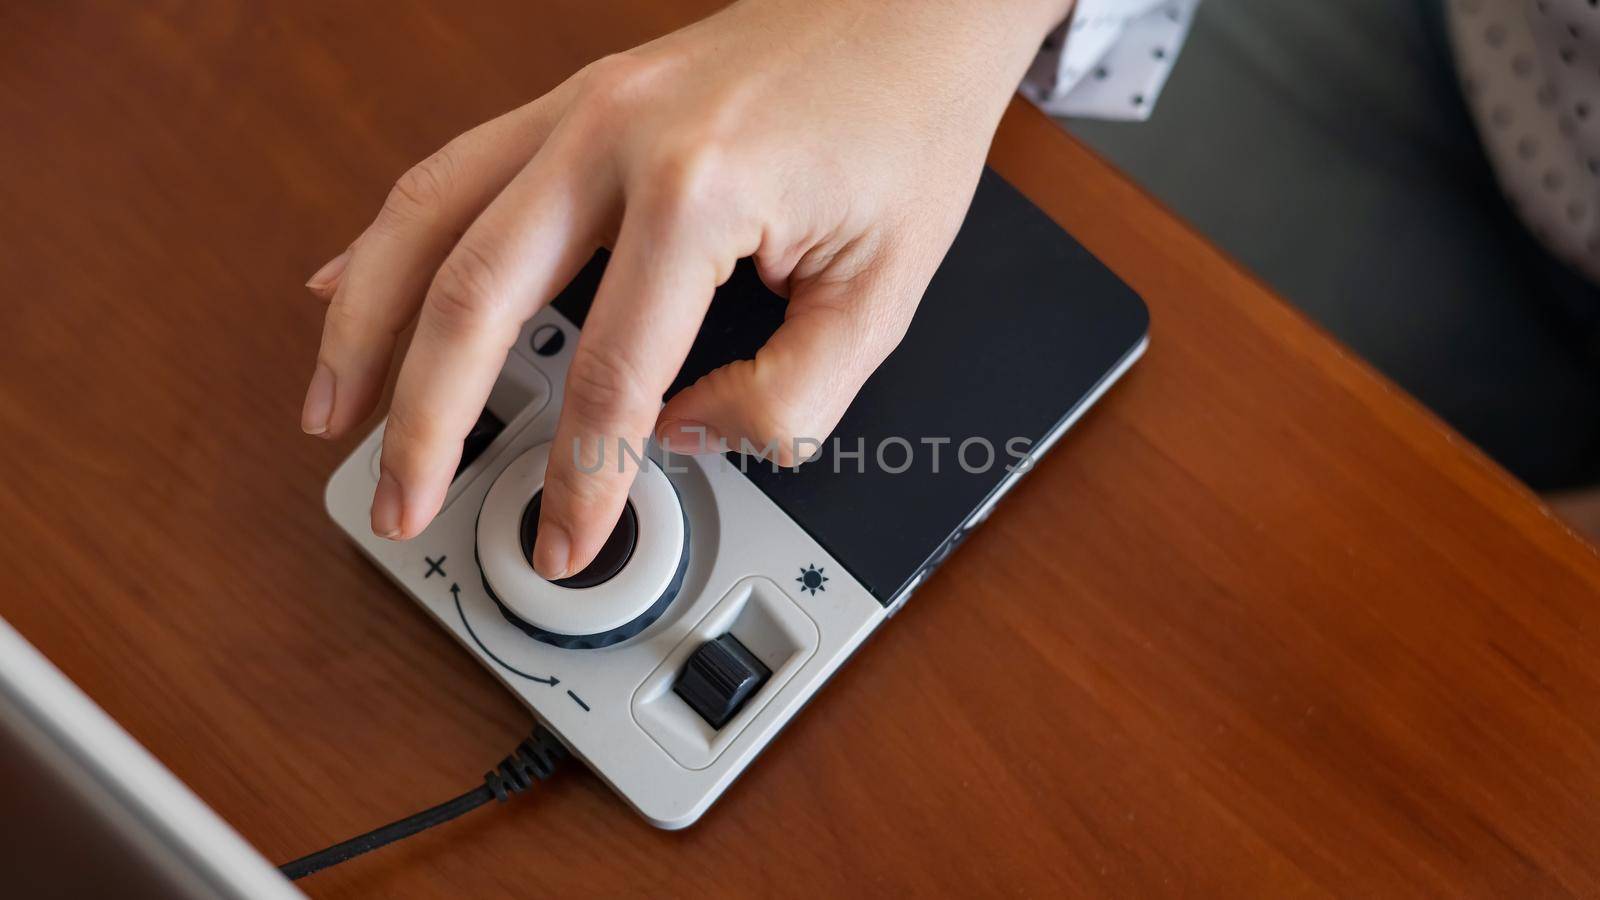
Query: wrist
{"type": "Point", "coordinates": [992, 41]}
{"type": "Point", "coordinates": [984, 46]}
{"type": "Point", "coordinates": [1023, 23]}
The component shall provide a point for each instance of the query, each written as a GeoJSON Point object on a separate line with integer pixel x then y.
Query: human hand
{"type": "Point", "coordinates": [838, 142]}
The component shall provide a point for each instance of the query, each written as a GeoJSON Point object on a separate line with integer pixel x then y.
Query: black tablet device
{"type": "Point", "coordinates": [1019, 332]}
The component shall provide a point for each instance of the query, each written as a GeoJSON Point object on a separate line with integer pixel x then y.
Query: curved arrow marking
{"type": "Point", "coordinates": [455, 591]}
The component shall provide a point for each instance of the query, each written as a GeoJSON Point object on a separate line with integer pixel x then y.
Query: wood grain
{"type": "Point", "coordinates": [1260, 626]}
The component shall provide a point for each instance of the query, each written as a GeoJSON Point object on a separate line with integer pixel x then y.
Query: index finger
{"type": "Point", "coordinates": [527, 244]}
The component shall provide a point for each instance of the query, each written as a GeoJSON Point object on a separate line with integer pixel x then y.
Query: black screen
{"type": "Point", "coordinates": [1018, 326]}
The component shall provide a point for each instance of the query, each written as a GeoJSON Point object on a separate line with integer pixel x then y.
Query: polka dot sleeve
{"type": "Point", "coordinates": [1530, 70]}
{"type": "Point", "coordinates": [1110, 59]}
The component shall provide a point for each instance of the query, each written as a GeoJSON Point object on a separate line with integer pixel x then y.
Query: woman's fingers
{"type": "Point", "coordinates": [783, 403]}
{"type": "Point", "coordinates": [648, 309]}
{"type": "Point", "coordinates": [375, 286]}
{"type": "Point", "coordinates": [526, 246]}
{"type": "Point", "coordinates": [325, 281]}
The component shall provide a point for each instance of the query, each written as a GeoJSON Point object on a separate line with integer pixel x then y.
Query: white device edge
{"type": "Point", "coordinates": [139, 784]}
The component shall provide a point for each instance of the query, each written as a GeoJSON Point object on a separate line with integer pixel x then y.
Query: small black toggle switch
{"type": "Point", "coordinates": [719, 678]}
{"type": "Point", "coordinates": [483, 433]}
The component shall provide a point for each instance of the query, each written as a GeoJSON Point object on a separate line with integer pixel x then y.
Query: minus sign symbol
{"type": "Point", "coordinates": [578, 700]}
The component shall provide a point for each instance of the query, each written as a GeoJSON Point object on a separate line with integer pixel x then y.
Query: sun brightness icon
{"type": "Point", "coordinates": [811, 579]}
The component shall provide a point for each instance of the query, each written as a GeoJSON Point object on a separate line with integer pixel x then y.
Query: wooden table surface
{"type": "Point", "coordinates": [1260, 626]}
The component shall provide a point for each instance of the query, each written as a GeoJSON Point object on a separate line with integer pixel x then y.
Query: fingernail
{"type": "Point", "coordinates": [319, 402]}
{"type": "Point", "coordinates": [386, 507]}
{"type": "Point", "coordinates": [689, 437]}
{"type": "Point", "coordinates": [552, 552]}
{"type": "Point", "coordinates": [329, 272]}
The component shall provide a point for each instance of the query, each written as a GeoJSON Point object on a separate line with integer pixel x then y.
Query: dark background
{"type": "Point", "coordinates": [1326, 146]}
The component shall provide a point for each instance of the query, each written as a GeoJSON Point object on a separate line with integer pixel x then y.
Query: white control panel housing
{"type": "Point", "coordinates": [614, 707]}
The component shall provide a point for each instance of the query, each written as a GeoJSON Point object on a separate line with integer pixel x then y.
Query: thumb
{"type": "Point", "coordinates": [783, 403]}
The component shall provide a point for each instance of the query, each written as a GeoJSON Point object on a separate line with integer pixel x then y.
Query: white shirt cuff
{"type": "Point", "coordinates": [1110, 59]}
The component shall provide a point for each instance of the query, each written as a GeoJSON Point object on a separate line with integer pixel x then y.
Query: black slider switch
{"type": "Point", "coordinates": [719, 678]}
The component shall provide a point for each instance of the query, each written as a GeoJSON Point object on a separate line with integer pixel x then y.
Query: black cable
{"type": "Point", "coordinates": [388, 834]}
{"type": "Point", "coordinates": [532, 762]}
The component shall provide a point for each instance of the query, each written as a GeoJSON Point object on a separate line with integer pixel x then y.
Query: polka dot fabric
{"type": "Point", "coordinates": [1531, 73]}
{"type": "Point", "coordinates": [1110, 59]}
